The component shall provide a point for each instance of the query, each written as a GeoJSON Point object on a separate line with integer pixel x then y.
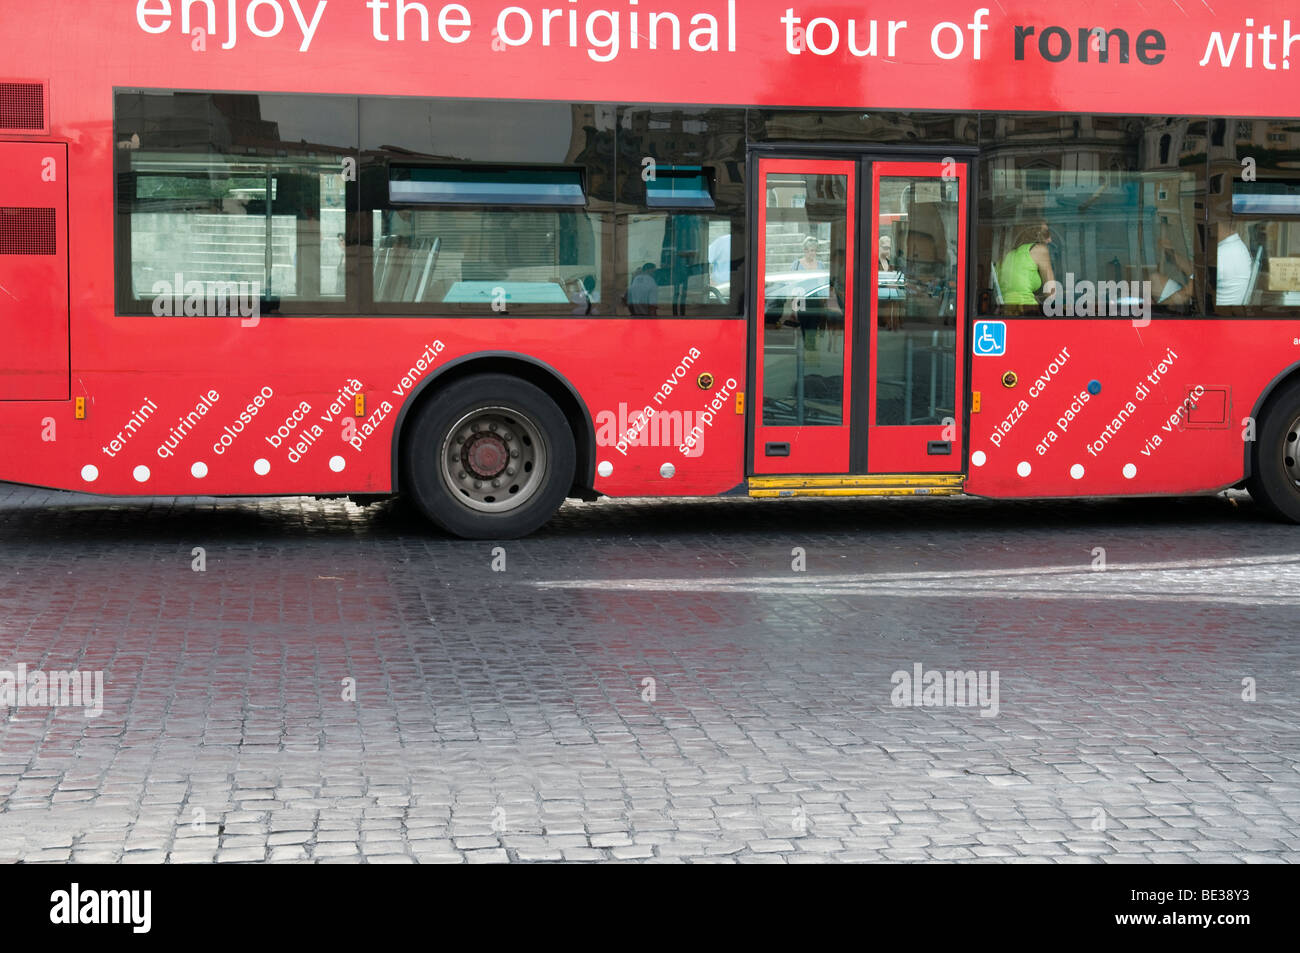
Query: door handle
{"type": "Point", "coordinates": [776, 449]}
{"type": "Point", "coordinates": [939, 448]}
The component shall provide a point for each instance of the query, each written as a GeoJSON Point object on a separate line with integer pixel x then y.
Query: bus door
{"type": "Point", "coordinates": [916, 330]}
{"type": "Point", "coordinates": [859, 318]}
{"type": "Point", "coordinates": [33, 271]}
{"type": "Point", "coordinates": [803, 393]}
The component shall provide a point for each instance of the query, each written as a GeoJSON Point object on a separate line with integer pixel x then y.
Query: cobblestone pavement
{"type": "Point", "coordinates": [509, 715]}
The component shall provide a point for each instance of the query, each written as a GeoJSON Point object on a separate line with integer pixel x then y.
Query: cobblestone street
{"type": "Point", "coordinates": [653, 681]}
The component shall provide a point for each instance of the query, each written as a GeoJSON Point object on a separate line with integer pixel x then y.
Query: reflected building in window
{"type": "Point", "coordinates": [225, 188]}
{"type": "Point", "coordinates": [681, 208]}
{"type": "Point", "coordinates": [1255, 207]}
{"type": "Point", "coordinates": [1122, 199]}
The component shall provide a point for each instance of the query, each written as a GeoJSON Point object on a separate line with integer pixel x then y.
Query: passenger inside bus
{"type": "Point", "coordinates": [1237, 268]}
{"type": "Point", "coordinates": [1026, 267]}
{"type": "Point", "coordinates": [578, 296]}
{"type": "Point", "coordinates": [1173, 277]}
{"type": "Point", "coordinates": [643, 292]}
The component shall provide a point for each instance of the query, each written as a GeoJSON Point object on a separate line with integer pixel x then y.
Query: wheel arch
{"type": "Point", "coordinates": [1292, 372]}
{"type": "Point", "coordinates": [539, 373]}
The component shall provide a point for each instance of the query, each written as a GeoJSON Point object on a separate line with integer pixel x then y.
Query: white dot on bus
{"type": "Point", "coordinates": [605, 468]}
{"type": "Point", "coordinates": [1076, 471]}
{"type": "Point", "coordinates": [1023, 468]}
{"type": "Point", "coordinates": [1130, 471]}
{"type": "Point", "coordinates": [90, 473]}
{"type": "Point", "coordinates": [337, 463]}
{"type": "Point", "coordinates": [667, 471]}
{"type": "Point", "coordinates": [262, 466]}
{"type": "Point", "coordinates": [199, 470]}
{"type": "Point", "coordinates": [141, 473]}
{"type": "Point", "coordinates": [978, 458]}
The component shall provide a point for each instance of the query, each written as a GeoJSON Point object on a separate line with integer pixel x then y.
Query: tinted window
{"type": "Point", "coordinates": [224, 195]}
{"type": "Point", "coordinates": [1255, 213]}
{"type": "Point", "coordinates": [681, 211]}
{"type": "Point", "coordinates": [853, 125]}
{"type": "Point", "coordinates": [1085, 216]}
{"type": "Point", "coordinates": [804, 268]}
{"type": "Point", "coordinates": [487, 207]}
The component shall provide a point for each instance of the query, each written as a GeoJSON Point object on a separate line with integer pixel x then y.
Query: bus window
{"type": "Point", "coordinates": [1092, 222]}
{"type": "Point", "coordinates": [487, 207]}
{"type": "Point", "coordinates": [681, 211]}
{"type": "Point", "coordinates": [488, 260]}
{"type": "Point", "coordinates": [917, 306]}
{"type": "Point", "coordinates": [692, 255]}
{"type": "Point", "coordinates": [1255, 214]}
{"type": "Point", "coordinates": [804, 269]}
{"type": "Point", "coordinates": [212, 204]}
{"type": "Point", "coordinates": [279, 226]}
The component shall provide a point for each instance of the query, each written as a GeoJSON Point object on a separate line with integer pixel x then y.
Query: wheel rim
{"type": "Point", "coordinates": [494, 459]}
{"type": "Point", "coordinates": [1291, 451]}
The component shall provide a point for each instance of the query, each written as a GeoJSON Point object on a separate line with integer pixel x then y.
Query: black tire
{"type": "Point", "coordinates": [490, 457]}
{"type": "Point", "coordinates": [1275, 468]}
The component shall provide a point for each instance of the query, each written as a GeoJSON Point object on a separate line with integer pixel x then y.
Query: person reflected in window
{"type": "Point", "coordinates": [885, 254]}
{"type": "Point", "coordinates": [643, 292]}
{"type": "Point", "coordinates": [809, 260]}
{"type": "Point", "coordinates": [889, 282]}
{"type": "Point", "coordinates": [1232, 280]}
{"type": "Point", "coordinates": [578, 296]}
{"type": "Point", "coordinates": [1026, 267]}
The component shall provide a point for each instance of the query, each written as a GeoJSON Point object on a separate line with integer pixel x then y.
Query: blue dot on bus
{"type": "Point", "coordinates": [1094, 388]}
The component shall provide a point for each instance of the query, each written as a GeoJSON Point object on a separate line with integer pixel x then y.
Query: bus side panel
{"type": "Point", "coordinates": [33, 271]}
{"type": "Point", "coordinates": [1104, 407]}
{"type": "Point", "coordinates": [207, 406]}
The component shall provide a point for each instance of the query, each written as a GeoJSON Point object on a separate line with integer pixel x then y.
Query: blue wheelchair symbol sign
{"type": "Point", "coordinates": [990, 338]}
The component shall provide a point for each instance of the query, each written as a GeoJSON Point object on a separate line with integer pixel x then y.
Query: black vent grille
{"type": "Point", "coordinates": [28, 231]}
{"type": "Point", "coordinates": [22, 106]}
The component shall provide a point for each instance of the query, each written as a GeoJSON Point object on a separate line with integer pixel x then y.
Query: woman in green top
{"type": "Point", "coordinates": [1027, 267]}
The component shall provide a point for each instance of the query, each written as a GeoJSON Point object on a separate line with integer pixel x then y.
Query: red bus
{"type": "Point", "coordinates": [494, 256]}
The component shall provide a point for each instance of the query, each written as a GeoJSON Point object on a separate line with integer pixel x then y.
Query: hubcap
{"type": "Point", "coordinates": [484, 455]}
{"type": "Point", "coordinates": [1291, 451]}
{"type": "Point", "coordinates": [494, 459]}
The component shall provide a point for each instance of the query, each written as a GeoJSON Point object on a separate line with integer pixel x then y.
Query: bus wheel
{"type": "Point", "coordinates": [491, 457]}
{"type": "Point", "coordinates": [1275, 479]}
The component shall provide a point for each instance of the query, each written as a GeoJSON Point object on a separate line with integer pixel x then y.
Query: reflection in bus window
{"type": "Point", "coordinates": [1256, 215]}
{"type": "Point", "coordinates": [231, 192]}
{"type": "Point", "coordinates": [692, 258]}
{"type": "Point", "coordinates": [804, 274]}
{"type": "Point", "coordinates": [488, 260]}
{"type": "Point", "coordinates": [216, 222]}
{"type": "Point", "coordinates": [916, 379]}
{"type": "Point", "coordinates": [680, 206]}
{"type": "Point", "coordinates": [1091, 216]}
